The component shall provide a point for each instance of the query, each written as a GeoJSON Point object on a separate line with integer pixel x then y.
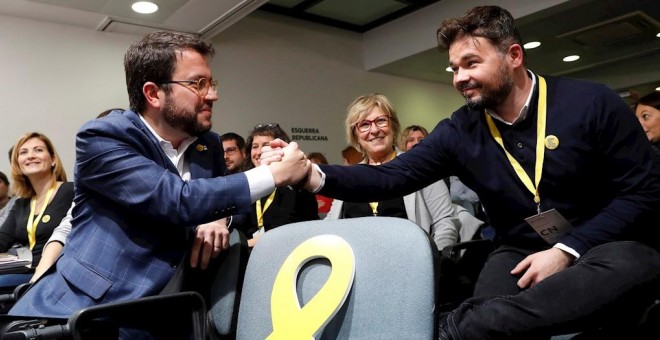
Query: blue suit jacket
{"type": "Point", "coordinates": [132, 215]}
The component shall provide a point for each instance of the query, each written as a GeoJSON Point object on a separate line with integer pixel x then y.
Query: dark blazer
{"type": "Point", "coordinates": [132, 215]}
{"type": "Point", "coordinates": [289, 205]}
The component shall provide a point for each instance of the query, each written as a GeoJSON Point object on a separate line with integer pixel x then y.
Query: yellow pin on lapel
{"type": "Point", "coordinates": [200, 147]}
{"type": "Point", "coordinates": [45, 219]}
{"type": "Point", "coordinates": [551, 142]}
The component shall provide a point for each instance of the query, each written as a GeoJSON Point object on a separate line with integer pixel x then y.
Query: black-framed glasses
{"type": "Point", "coordinates": [201, 85]}
{"type": "Point", "coordinates": [380, 121]}
{"type": "Point", "coordinates": [267, 125]}
{"type": "Point", "coordinates": [231, 150]}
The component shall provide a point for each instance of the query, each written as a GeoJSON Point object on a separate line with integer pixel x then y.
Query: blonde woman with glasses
{"type": "Point", "coordinates": [372, 127]}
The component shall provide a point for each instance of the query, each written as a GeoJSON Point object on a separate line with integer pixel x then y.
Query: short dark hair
{"type": "Point", "coordinates": [154, 58]}
{"type": "Point", "coordinates": [652, 99]}
{"type": "Point", "coordinates": [4, 178]}
{"type": "Point", "coordinates": [240, 142]}
{"type": "Point", "coordinates": [491, 22]}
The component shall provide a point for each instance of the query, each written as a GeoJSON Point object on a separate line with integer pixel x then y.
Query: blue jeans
{"type": "Point", "coordinates": [609, 285]}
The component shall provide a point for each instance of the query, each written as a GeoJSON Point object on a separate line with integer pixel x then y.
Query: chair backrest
{"type": "Point", "coordinates": [391, 294]}
{"type": "Point", "coordinates": [226, 288]}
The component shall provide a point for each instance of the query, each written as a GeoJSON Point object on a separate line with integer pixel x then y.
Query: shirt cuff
{"type": "Point", "coordinates": [567, 249]}
{"type": "Point", "coordinates": [322, 183]}
{"type": "Point", "coordinates": [261, 182]}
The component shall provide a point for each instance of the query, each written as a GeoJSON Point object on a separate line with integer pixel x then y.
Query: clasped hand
{"type": "Point", "coordinates": [287, 162]}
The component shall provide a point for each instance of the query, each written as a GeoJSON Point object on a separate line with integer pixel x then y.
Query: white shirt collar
{"type": "Point", "coordinates": [175, 155]}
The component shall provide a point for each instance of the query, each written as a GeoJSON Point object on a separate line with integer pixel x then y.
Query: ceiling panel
{"type": "Point", "coordinates": [356, 12]}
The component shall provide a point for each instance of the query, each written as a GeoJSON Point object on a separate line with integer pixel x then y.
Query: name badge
{"type": "Point", "coordinates": [550, 225]}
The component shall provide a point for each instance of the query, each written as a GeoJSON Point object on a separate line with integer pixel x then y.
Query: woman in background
{"type": "Point", "coordinates": [411, 136]}
{"type": "Point", "coordinates": [372, 128]}
{"type": "Point", "coordinates": [284, 205]}
{"type": "Point", "coordinates": [44, 196]}
{"type": "Point", "coordinates": [648, 113]}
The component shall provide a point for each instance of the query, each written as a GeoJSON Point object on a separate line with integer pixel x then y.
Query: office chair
{"type": "Point", "coordinates": [365, 278]}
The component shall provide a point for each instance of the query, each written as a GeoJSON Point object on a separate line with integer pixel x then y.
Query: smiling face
{"type": "Point", "coordinates": [378, 141]}
{"type": "Point", "coordinates": [481, 72]}
{"type": "Point", "coordinates": [649, 117]}
{"type": "Point", "coordinates": [34, 159]}
{"type": "Point", "coordinates": [257, 143]}
{"type": "Point", "coordinates": [184, 108]}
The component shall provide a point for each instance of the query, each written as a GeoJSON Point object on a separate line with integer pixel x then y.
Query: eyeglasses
{"type": "Point", "coordinates": [231, 150]}
{"type": "Point", "coordinates": [380, 121]}
{"type": "Point", "coordinates": [201, 85]}
{"type": "Point", "coordinates": [268, 125]}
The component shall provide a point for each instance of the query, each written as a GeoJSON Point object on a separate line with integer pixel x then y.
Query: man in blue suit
{"type": "Point", "coordinates": [567, 178]}
{"type": "Point", "coordinates": [147, 178]}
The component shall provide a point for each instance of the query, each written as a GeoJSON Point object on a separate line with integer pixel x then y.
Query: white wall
{"type": "Point", "coordinates": [299, 74]}
{"type": "Point", "coordinates": [271, 69]}
{"type": "Point", "coordinates": [54, 78]}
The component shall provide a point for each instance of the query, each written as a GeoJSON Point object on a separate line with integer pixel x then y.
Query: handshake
{"type": "Point", "coordinates": [289, 165]}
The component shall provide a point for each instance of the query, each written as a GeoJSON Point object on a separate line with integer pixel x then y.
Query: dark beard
{"type": "Point", "coordinates": [492, 98]}
{"type": "Point", "coordinates": [184, 120]}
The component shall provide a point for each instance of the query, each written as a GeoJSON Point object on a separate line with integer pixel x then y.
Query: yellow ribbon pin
{"type": "Point", "coordinates": [45, 219]}
{"type": "Point", "coordinates": [551, 142]}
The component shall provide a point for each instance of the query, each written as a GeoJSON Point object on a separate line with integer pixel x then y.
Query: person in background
{"type": "Point", "coordinates": [149, 189]}
{"type": "Point", "coordinates": [567, 178]}
{"type": "Point", "coordinates": [323, 202]}
{"type": "Point", "coordinates": [351, 155]}
{"type": "Point", "coordinates": [648, 113]}
{"type": "Point", "coordinates": [317, 158]}
{"type": "Point", "coordinates": [234, 148]}
{"type": "Point", "coordinates": [411, 136]}
{"type": "Point", "coordinates": [4, 211]}
{"type": "Point", "coordinates": [4, 190]}
{"type": "Point", "coordinates": [44, 196]}
{"type": "Point", "coordinates": [372, 127]}
{"type": "Point", "coordinates": [283, 205]}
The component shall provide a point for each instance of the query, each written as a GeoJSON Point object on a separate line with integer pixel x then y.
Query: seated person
{"type": "Point", "coordinates": [284, 205]}
{"type": "Point", "coordinates": [648, 113]}
{"type": "Point", "coordinates": [371, 127]}
{"type": "Point", "coordinates": [39, 180]}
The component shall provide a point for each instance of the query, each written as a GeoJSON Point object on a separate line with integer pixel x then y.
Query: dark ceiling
{"type": "Point", "coordinates": [609, 35]}
{"type": "Point", "coordinates": [357, 16]}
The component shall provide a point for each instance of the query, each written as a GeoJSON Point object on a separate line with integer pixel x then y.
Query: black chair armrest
{"type": "Point", "coordinates": [174, 315]}
{"type": "Point", "coordinates": [453, 251]}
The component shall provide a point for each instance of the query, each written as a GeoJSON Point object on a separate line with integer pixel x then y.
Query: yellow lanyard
{"type": "Point", "coordinates": [260, 213]}
{"type": "Point", "coordinates": [540, 137]}
{"type": "Point", "coordinates": [374, 205]}
{"type": "Point", "coordinates": [31, 223]}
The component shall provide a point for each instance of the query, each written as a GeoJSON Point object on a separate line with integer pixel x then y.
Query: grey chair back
{"type": "Point", "coordinates": [392, 290]}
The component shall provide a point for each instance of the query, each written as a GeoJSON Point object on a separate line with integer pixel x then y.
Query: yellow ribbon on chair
{"type": "Point", "coordinates": [292, 322]}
